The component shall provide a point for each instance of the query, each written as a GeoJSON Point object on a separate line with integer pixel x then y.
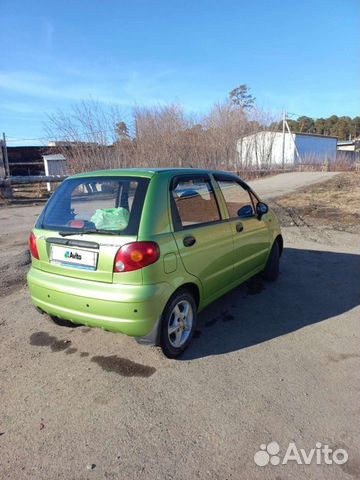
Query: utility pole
{"type": "Point", "coordinates": [5, 154]}
{"type": "Point", "coordinates": [283, 138]}
{"type": "Point", "coordinates": [5, 185]}
{"type": "Point", "coordinates": [293, 139]}
{"type": "Point", "coordinates": [2, 161]}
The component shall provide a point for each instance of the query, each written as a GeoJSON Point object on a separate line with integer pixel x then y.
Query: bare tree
{"type": "Point", "coordinates": [86, 135]}
{"type": "Point", "coordinates": [92, 136]}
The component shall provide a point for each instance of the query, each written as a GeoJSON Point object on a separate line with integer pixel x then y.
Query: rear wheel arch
{"type": "Point", "coordinates": [153, 337]}
{"type": "Point", "coordinates": [191, 288]}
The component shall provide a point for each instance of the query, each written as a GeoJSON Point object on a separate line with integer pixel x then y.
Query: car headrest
{"type": "Point", "coordinates": [189, 193]}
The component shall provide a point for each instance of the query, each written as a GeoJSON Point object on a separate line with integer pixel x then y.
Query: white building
{"type": "Point", "coordinates": [266, 148]}
{"type": "Point", "coordinates": [349, 150]}
{"type": "Point", "coordinates": [54, 165]}
{"type": "Point", "coordinates": [348, 145]}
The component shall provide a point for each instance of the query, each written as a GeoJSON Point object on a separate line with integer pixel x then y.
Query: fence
{"type": "Point", "coordinates": [7, 184]}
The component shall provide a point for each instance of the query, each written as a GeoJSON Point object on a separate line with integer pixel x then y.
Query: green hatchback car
{"type": "Point", "coordinates": [142, 251]}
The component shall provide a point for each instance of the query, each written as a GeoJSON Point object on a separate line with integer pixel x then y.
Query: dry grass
{"type": "Point", "coordinates": [333, 204]}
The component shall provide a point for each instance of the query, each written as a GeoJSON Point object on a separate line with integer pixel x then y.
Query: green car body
{"type": "Point", "coordinates": [223, 255]}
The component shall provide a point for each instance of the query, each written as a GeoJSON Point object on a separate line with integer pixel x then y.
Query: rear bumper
{"type": "Point", "coordinates": [130, 309]}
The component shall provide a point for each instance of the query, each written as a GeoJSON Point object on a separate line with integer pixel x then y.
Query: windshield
{"type": "Point", "coordinates": [112, 204]}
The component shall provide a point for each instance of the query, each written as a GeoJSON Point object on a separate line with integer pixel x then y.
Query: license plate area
{"type": "Point", "coordinates": [73, 257]}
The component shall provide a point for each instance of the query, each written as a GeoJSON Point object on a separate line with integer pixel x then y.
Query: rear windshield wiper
{"type": "Point", "coordinates": [89, 231]}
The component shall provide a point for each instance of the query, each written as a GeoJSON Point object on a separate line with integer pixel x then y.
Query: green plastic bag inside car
{"type": "Point", "coordinates": [111, 218]}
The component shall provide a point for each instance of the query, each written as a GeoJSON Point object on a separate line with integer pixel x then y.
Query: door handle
{"type": "Point", "coordinates": [189, 241]}
{"type": "Point", "coordinates": [239, 227]}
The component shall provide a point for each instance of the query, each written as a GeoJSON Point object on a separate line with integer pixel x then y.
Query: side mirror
{"type": "Point", "coordinates": [246, 211]}
{"type": "Point", "coordinates": [261, 209]}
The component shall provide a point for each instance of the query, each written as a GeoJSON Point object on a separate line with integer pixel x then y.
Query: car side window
{"type": "Point", "coordinates": [236, 197]}
{"type": "Point", "coordinates": [194, 202]}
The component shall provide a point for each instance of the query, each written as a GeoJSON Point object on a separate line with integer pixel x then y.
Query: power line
{"type": "Point", "coordinates": [92, 132]}
{"type": "Point", "coordinates": [9, 138]}
{"type": "Point", "coordinates": [295, 114]}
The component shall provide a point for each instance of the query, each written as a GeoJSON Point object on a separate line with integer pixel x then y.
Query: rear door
{"type": "Point", "coordinates": [251, 235]}
{"type": "Point", "coordinates": [203, 237]}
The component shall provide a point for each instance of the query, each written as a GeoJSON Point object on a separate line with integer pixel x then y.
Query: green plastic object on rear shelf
{"type": "Point", "coordinates": [111, 218]}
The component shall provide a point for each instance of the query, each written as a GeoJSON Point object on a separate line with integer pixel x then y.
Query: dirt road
{"type": "Point", "coordinates": [270, 187]}
{"type": "Point", "coordinates": [270, 362]}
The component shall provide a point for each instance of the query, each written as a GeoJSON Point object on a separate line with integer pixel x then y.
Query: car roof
{"type": "Point", "coordinates": [146, 172]}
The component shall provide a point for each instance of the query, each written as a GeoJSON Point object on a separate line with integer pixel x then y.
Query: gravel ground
{"type": "Point", "coordinates": [270, 362]}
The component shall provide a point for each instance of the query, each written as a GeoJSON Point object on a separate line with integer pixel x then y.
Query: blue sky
{"type": "Point", "coordinates": [301, 56]}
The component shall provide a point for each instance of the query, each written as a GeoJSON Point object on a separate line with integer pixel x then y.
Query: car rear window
{"type": "Point", "coordinates": [102, 203]}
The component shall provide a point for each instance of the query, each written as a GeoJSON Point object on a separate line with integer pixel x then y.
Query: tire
{"type": "Point", "coordinates": [178, 324]}
{"type": "Point", "coordinates": [271, 271]}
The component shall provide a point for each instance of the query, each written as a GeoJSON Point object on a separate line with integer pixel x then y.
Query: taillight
{"type": "Point", "coordinates": [133, 256]}
{"type": "Point", "coordinates": [77, 223]}
{"type": "Point", "coordinates": [33, 247]}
